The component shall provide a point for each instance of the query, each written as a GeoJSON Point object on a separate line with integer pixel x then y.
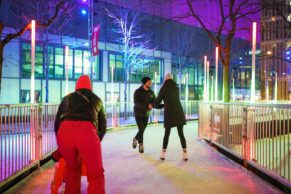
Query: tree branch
{"type": "Point", "coordinates": [12, 36]}
{"type": "Point", "coordinates": [201, 23]}
{"type": "Point", "coordinates": [222, 19]}
{"type": "Point", "coordinates": [1, 29]}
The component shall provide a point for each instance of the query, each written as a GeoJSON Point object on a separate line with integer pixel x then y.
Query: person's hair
{"type": "Point", "coordinates": [144, 80]}
{"type": "Point", "coordinates": [169, 76]}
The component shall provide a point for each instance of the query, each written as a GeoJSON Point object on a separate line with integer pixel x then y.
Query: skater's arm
{"type": "Point", "coordinates": [101, 122]}
{"type": "Point", "coordinates": [137, 102]}
{"type": "Point", "coordinates": [159, 106]}
{"type": "Point", "coordinates": [159, 99]}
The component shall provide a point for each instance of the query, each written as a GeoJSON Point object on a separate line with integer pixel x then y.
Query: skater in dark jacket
{"type": "Point", "coordinates": [80, 125]}
{"type": "Point", "coordinates": [173, 115]}
{"type": "Point", "coordinates": [144, 98]}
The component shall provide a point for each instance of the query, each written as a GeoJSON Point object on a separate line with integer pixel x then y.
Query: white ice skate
{"type": "Point", "coordinates": [163, 155]}
{"type": "Point", "coordinates": [185, 155]}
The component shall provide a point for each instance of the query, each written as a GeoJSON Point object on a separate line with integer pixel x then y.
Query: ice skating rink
{"type": "Point", "coordinates": [128, 172]}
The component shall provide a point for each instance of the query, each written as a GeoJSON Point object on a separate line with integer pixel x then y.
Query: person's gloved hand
{"type": "Point", "coordinates": [56, 155]}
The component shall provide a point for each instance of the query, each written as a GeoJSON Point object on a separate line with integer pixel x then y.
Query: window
{"type": "Point", "coordinates": [116, 62]}
{"type": "Point", "coordinates": [96, 70]}
{"type": "Point", "coordinates": [25, 96]}
{"type": "Point", "coordinates": [78, 62]}
{"type": "Point", "coordinates": [147, 67]}
{"type": "Point", "coordinates": [195, 72]}
{"type": "Point", "coordinates": [59, 63]}
{"type": "Point", "coordinates": [26, 61]}
{"type": "Point", "coordinates": [86, 62]}
{"type": "Point", "coordinates": [51, 70]}
{"type": "Point", "coordinates": [186, 70]}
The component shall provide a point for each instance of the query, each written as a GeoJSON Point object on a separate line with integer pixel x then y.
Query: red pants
{"type": "Point", "coordinates": [76, 140]}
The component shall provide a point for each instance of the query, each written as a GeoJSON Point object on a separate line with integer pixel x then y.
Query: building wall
{"type": "Point", "coordinates": [13, 83]}
{"type": "Point", "coordinates": [163, 41]}
{"type": "Point", "coordinates": [276, 50]}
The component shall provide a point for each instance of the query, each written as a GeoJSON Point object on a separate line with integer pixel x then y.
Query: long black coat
{"type": "Point", "coordinates": [174, 114]}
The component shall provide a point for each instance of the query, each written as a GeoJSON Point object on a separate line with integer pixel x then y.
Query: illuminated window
{"type": "Point", "coordinates": [116, 61]}
{"type": "Point", "coordinates": [59, 62]}
{"type": "Point", "coordinates": [147, 67]}
{"type": "Point", "coordinates": [25, 96]}
{"type": "Point", "coordinates": [78, 63]}
{"type": "Point", "coordinates": [96, 70]}
{"type": "Point", "coordinates": [26, 61]}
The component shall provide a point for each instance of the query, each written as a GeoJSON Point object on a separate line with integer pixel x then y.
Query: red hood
{"type": "Point", "coordinates": [84, 83]}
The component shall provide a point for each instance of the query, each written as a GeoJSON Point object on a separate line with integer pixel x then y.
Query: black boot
{"type": "Point", "coordinates": [134, 143]}
{"type": "Point", "coordinates": [141, 148]}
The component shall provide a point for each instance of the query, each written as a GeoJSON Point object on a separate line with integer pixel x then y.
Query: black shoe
{"type": "Point", "coordinates": [134, 143]}
{"type": "Point", "coordinates": [141, 148]}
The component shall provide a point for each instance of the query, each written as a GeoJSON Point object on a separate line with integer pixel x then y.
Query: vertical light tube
{"type": "Point", "coordinates": [187, 93]}
{"type": "Point", "coordinates": [155, 90]}
{"type": "Point", "coordinates": [216, 74]}
{"type": "Point", "coordinates": [276, 88]}
{"type": "Point", "coordinates": [155, 80]}
{"type": "Point", "coordinates": [67, 69]}
{"type": "Point", "coordinates": [205, 67]}
{"type": "Point", "coordinates": [233, 89]}
{"type": "Point", "coordinates": [207, 81]}
{"type": "Point", "coordinates": [253, 82]}
{"type": "Point", "coordinates": [267, 90]}
{"type": "Point", "coordinates": [112, 96]}
{"type": "Point", "coordinates": [212, 85]}
{"type": "Point", "coordinates": [32, 81]}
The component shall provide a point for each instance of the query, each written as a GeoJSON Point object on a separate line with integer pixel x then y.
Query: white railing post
{"type": "Point", "coordinates": [248, 142]}
{"type": "Point", "coordinates": [210, 123]}
{"type": "Point", "coordinates": [244, 132]}
{"type": "Point", "coordinates": [39, 134]}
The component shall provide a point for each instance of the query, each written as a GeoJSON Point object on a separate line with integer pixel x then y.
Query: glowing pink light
{"type": "Point", "coordinates": [216, 73]}
{"type": "Point", "coordinates": [205, 77]}
{"type": "Point", "coordinates": [67, 69]}
{"type": "Point", "coordinates": [254, 42]}
{"type": "Point", "coordinates": [32, 93]}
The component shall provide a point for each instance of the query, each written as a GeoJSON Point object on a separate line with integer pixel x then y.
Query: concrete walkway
{"type": "Point", "coordinates": [128, 172]}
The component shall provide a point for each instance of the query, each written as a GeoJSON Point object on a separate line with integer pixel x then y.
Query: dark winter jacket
{"type": "Point", "coordinates": [174, 114]}
{"type": "Point", "coordinates": [142, 98]}
{"type": "Point", "coordinates": [82, 105]}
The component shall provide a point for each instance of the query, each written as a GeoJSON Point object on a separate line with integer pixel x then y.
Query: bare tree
{"type": "Point", "coordinates": [134, 42]}
{"type": "Point", "coordinates": [184, 45]}
{"type": "Point", "coordinates": [231, 13]}
{"type": "Point", "coordinates": [46, 15]}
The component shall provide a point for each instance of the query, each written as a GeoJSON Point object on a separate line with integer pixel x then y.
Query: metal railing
{"type": "Point", "coordinates": [18, 137]}
{"type": "Point", "coordinates": [120, 113]}
{"type": "Point", "coordinates": [27, 131]}
{"type": "Point", "coordinates": [259, 134]}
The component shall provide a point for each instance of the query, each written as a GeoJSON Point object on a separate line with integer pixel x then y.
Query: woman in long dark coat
{"type": "Point", "coordinates": [173, 115]}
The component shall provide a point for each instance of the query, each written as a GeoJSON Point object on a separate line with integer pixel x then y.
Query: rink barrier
{"type": "Point", "coordinates": [27, 132]}
{"type": "Point", "coordinates": [259, 135]}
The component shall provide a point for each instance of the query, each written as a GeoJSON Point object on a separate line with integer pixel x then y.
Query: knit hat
{"type": "Point", "coordinates": [84, 83]}
{"type": "Point", "coordinates": [169, 76]}
{"type": "Point", "coordinates": [144, 80]}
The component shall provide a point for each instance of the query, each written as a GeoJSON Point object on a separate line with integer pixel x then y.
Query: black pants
{"type": "Point", "coordinates": [181, 136]}
{"type": "Point", "coordinates": [142, 124]}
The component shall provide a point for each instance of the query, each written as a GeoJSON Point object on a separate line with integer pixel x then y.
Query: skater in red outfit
{"type": "Point", "coordinates": [80, 126]}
